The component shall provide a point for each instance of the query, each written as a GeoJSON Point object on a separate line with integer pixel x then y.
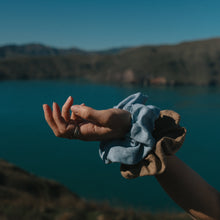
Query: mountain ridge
{"type": "Point", "coordinates": [37, 49]}
{"type": "Point", "coordinates": [187, 63]}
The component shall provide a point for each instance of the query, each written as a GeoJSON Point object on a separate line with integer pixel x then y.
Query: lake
{"type": "Point", "coordinates": [27, 141]}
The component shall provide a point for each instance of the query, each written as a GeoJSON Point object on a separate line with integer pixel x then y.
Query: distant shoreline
{"type": "Point", "coordinates": [193, 63]}
{"type": "Point", "coordinates": [117, 84]}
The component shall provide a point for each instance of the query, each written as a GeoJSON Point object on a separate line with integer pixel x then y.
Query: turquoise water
{"type": "Point", "coordinates": [27, 141]}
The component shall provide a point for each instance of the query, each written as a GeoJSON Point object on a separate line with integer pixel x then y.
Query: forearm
{"type": "Point", "coordinates": [189, 190]}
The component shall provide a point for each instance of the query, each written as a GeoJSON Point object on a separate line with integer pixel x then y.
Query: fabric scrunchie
{"type": "Point", "coordinates": [153, 135]}
{"type": "Point", "coordinates": [169, 137]}
{"type": "Point", "coordinates": [139, 141]}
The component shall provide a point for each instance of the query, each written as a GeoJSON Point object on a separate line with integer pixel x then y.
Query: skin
{"type": "Point", "coordinates": [189, 190]}
{"type": "Point", "coordinates": [93, 124]}
{"type": "Point", "coordinates": [181, 183]}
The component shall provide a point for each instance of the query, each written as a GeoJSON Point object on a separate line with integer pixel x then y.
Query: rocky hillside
{"type": "Point", "coordinates": [24, 196]}
{"type": "Point", "coordinates": [190, 63]}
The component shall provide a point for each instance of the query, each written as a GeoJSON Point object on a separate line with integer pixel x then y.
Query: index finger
{"type": "Point", "coordinates": [66, 108]}
{"type": "Point", "coordinates": [49, 118]}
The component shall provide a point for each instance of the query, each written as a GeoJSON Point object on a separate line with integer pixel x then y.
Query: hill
{"type": "Point", "coordinates": [189, 63]}
{"type": "Point", "coordinates": [34, 50]}
{"type": "Point", "coordinates": [15, 51]}
{"type": "Point", "coordinates": [24, 196]}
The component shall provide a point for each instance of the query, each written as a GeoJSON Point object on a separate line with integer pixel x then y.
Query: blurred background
{"type": "Point", "coordinates": [100, 52]}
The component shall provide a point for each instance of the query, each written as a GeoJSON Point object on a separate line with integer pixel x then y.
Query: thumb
{"type": "Point", "coordinates": [86, 113]}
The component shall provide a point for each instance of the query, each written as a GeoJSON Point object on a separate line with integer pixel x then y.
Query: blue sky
{"type": "Point", "coordinates": [102, 24]}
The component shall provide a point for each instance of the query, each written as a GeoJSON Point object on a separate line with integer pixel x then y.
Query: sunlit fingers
{"type": "Point", "coordinates": [66, 108]}
{"type": "Point", "coordinates": [76, 117]}
{"type": "Point", "coordinates": [73, 116]}
{"type": "Point", "coordinates": [49, 118]}
{"type": "Point", "coordinates": [59, 120]}
{"type": "Point", "coordinates": [92, 132]}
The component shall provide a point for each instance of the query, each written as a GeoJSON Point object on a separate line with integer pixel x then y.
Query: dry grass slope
{"type": "Point", "coordinates": [24, 196]}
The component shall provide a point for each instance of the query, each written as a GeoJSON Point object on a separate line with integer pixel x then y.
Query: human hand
{"type": "Point", "coordinates": [61, 122]}
{"type": "Point", "coordinates": [97, 125]}
{"type": "Point", "coordinates": [86, 123]}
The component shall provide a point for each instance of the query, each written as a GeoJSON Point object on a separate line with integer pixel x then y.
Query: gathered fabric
{"type": "Point", "coordinates": [139, 141]}
{"type": "Point", "coordinates": [153, 136]}
{"type": "Point", "coordinates": [169, 136]}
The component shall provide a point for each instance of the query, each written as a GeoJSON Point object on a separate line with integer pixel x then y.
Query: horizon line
{"type": "Point", "coordinates": [108, 48]}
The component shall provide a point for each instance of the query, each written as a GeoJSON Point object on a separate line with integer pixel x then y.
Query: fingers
{"type": "Point", "coordinates": [107, 118]}
{"type": "Point", "coordinates": [73, 116]}
{"type": "Point", "coordinates": [93, 124]}
{"type": "Point", "coordinates": [77, 118]}
{"type": "Point", "coordinates": [59, 120]}
{"type": "Point", "coordinates": [88, 113]}
{"type": "Point", "coordinates": [56, 121]}
{"type": "Point", "coordinates": [66, 108]}
{"type": "Point", "coordinates": [49, 118]}
{"type": "Point", "coordinates": [92, 132]}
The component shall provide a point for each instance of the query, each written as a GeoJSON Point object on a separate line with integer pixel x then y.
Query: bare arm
{"type": "Point", "coordinates": [180, 182]}
{"type": "Point", "coordinates": [190, 191]}
{"type": "Point", "coordinates": [92, 125]}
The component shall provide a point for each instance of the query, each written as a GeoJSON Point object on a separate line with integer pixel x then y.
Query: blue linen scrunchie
{"type": "Point", "coordinates": [138, 142]}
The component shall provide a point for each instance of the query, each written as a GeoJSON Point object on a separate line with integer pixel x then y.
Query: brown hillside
{"type": "Point", "coordinates": [24, 196]}
{"type": "Point", "coordinates": [191, 63]}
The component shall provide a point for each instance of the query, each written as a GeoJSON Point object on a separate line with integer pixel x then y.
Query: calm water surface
{"type": "Point", "coordinates": [27, 141]}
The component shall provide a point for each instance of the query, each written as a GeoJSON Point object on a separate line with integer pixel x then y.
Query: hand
{"type": "Point", "coordinates": [96, 125]}
{"type": "Point", "coordinates": [92, 125]}
{"type": "Point", "coordinates": [62, 124]}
